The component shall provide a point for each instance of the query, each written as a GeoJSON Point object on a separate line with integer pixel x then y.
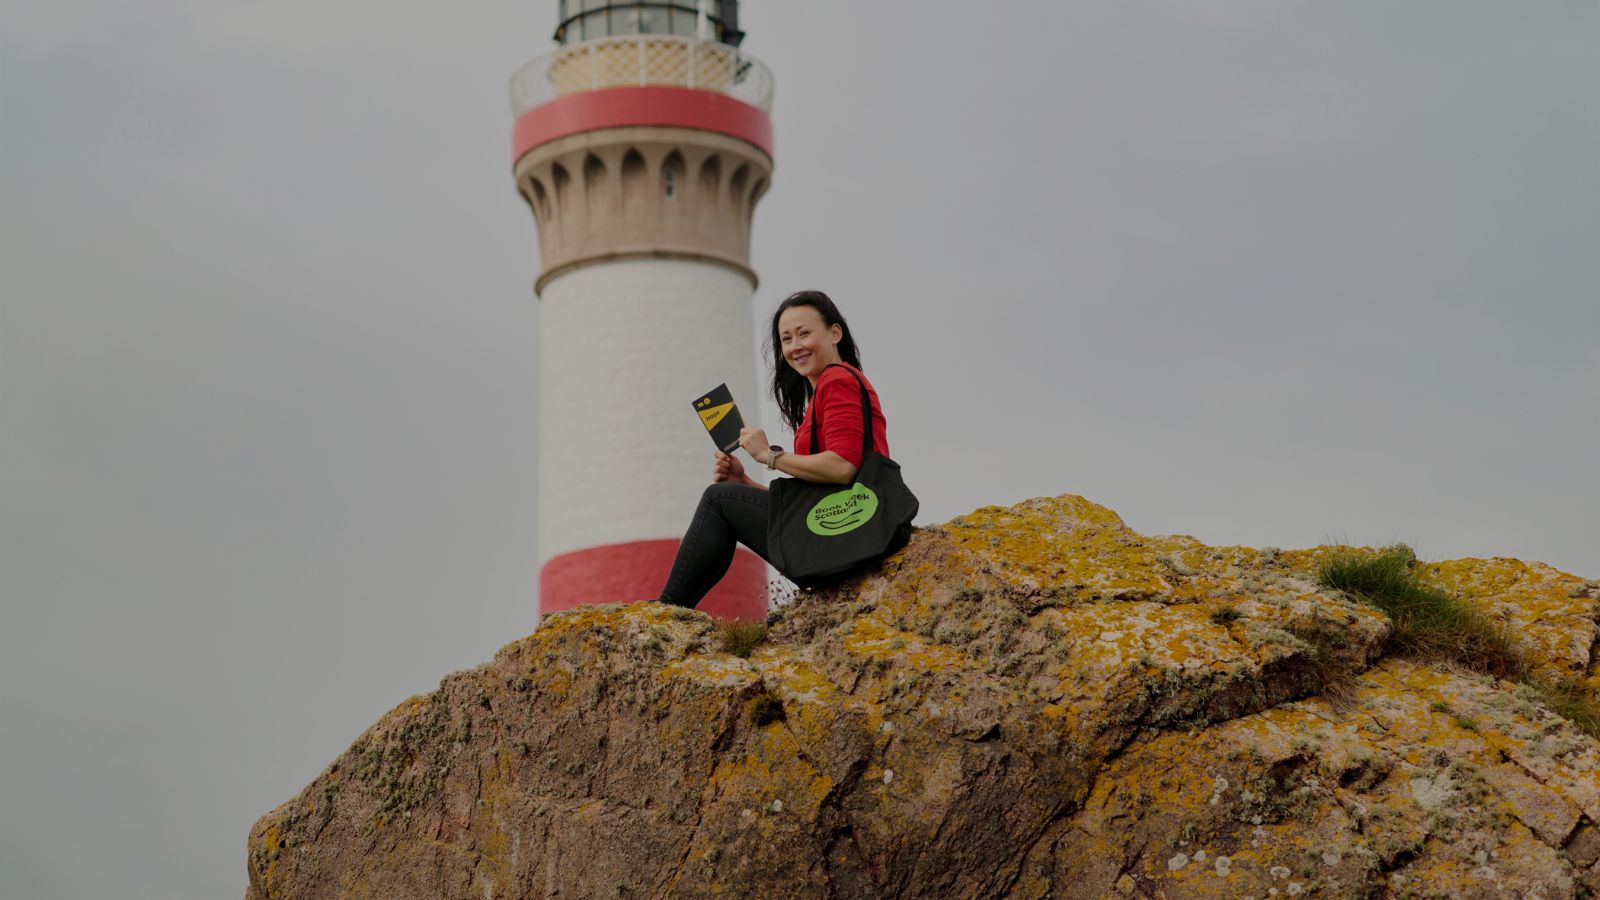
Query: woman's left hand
{"type": "Point", "coordinates": [754, 442]}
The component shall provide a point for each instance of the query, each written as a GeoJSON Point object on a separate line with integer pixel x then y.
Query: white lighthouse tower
{"type": "Point", "coordinates": [642, 145]}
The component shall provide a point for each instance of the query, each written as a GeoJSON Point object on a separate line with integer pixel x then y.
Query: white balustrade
{"type": "Point", "coordinates": [637, 60]}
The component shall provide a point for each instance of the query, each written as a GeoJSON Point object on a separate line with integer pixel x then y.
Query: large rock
{"type": "Point", "coordinates": [1030, 701]}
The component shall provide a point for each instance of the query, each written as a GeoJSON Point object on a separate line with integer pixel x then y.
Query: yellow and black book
{"type": "Point", "coordinates": [721, 417]}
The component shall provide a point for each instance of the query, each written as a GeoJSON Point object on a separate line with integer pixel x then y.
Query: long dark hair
{"type": "Point", "coordinates": [790, 389]}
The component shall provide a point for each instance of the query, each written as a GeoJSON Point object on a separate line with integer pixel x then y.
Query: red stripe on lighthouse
{"type": "Point", "coordinates": [637, 570]}
{"type": "Point", "coordinates": [621, 107]}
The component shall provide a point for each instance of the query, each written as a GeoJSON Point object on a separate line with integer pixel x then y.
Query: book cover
{"type": "Point", "coordinates": [720, 417]}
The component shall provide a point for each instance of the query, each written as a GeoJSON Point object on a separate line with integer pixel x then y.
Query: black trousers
{"type": "Point", "coordinates": [728, 514]}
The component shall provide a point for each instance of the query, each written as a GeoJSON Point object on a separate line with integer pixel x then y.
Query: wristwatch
{"type": "Point", "coordinates": [773, 453]}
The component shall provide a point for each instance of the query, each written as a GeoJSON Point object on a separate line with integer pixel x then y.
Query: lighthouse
{"type": "Point", "coordinates": [641, 144]}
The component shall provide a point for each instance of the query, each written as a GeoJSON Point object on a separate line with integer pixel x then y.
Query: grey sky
{"type": "Point", "coordinates": [1266, 273]}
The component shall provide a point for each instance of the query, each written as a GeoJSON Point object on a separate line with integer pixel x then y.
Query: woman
{"type": "Point", "coordinates": [808, 335]}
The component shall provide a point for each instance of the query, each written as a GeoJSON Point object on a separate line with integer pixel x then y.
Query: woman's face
{"type": "Point", "coordinates": [807, 343]}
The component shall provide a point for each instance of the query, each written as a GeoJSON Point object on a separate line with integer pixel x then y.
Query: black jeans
{"type": "Point", "coordinates": [727, 513]}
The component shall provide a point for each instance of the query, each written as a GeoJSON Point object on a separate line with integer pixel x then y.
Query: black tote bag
{"type": "Point", "coordinates": [817, 530]}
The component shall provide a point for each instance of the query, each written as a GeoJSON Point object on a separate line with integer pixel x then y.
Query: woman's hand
{"type": "Point", "coordinates": [754, 442]}
{"type": "Point", "coordinates": [728, 469]}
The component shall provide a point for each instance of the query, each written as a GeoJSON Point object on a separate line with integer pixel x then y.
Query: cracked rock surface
{"type": "Point", "coordinates": [1029, 701]}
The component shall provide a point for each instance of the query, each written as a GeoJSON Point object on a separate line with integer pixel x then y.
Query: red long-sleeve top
{"type": "Point", "coordinates": [839, 395]}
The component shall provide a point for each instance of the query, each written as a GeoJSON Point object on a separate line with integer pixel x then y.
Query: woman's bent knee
{"type": "Point", "coordinates": [719, 490]}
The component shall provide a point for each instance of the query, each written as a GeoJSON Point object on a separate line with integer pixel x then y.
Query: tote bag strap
{"type": "Point", "coordinates": [866, 414]}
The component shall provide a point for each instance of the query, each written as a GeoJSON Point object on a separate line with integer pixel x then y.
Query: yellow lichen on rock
{"type": "Point", "coordinates": [1333, 802]}
{"type": "Point", "coordinates": [1553, 616]}
{"type": "Point", "coordinates": [1063, 542]}
{"type": "Point", "coordinates": [1030, 701]}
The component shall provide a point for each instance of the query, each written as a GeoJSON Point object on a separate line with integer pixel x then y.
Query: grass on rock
{"type": "Point", "coordinates": [741, 637]}
{"type": "Point", "coordinates": [1428, 623]}
{"type": "Point", "coordinates": [1225, 615]}
{"type": "Point", "coordinates": [1431, 625]}
{"type": "Point", "coordinates": [766, 709]}
{"type": "Point", "coordinates": [1568, 699]}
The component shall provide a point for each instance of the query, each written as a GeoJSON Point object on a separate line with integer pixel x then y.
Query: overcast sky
{"type": "Point", "coordinates": [1267, 273]}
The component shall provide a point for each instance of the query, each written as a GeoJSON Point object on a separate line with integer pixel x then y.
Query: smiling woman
{"type": "Point", "coordinates": [816, 378]}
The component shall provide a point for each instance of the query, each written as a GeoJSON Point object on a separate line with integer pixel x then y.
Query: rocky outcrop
{"type": "Point", "coordinates": [1031, 701]}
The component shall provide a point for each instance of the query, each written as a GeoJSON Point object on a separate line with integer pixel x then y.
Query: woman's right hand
{"type": "Point", "coordinates": [727, 468]}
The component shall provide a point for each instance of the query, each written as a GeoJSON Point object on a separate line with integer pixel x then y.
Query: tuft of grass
{"type": "Point", "coordinates": [1225, 615]}
{"type": "Point", "coordinates": [766, 709]}
{"type": "Point", "coordinates": [741, 637]}
{"type": "Point", "coordinates": [968, 594]}
{"type": "Point", "coordinates": [1431, 625]}
{"type": "Point", "coordinates": [1427, 623]}
{"type": "Point", "coordinates": [1568, 700]}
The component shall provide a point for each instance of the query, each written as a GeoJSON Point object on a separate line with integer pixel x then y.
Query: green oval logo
{"type": "Point", "coordinates": [843, 511]}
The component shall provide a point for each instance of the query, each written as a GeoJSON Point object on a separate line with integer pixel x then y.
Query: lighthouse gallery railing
{"type": "Point", "coordinates": [639, 60]}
